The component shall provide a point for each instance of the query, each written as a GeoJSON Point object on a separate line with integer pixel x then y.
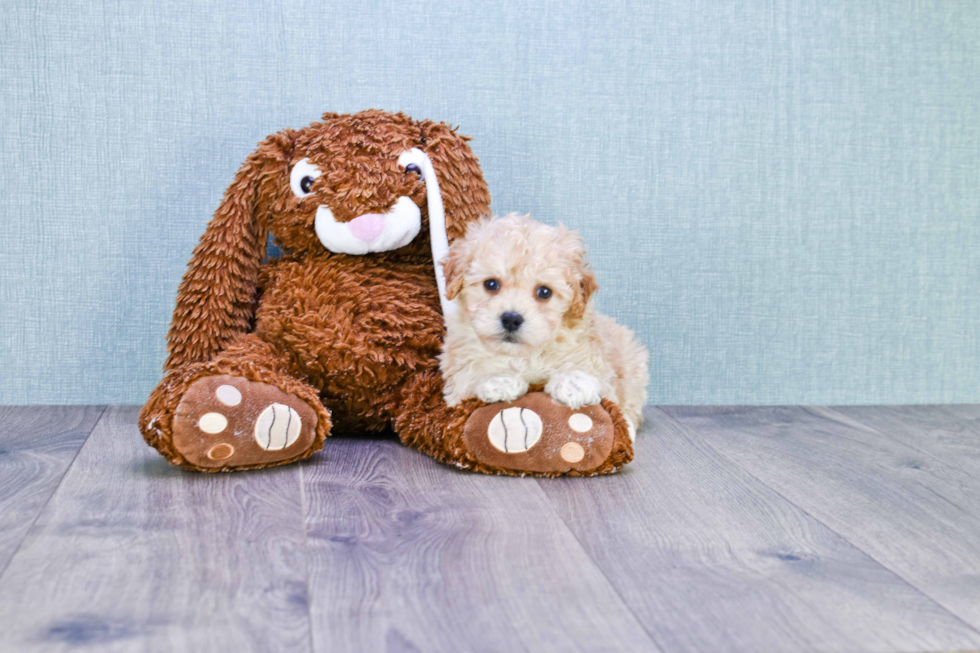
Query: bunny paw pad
{"type": "Point", "coordinates": [227, 421]}
{"type": "Point", "coordinates": [536, 435]}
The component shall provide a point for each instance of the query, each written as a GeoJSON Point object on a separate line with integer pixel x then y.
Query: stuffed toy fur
{"type": "Point", "coordinates": [341, 333]}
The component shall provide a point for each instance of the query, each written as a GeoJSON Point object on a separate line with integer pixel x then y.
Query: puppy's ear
{"type": "Point", "coordinates": [216, 299]}
{"type": "Point", "coordinates": [584, 281]}
{"type": "Point", "coordinates": [583, 292]}
{"type": "Point", "coordinates": [454, 267]}
{"type": "Point", "coordinates": [464, 192]}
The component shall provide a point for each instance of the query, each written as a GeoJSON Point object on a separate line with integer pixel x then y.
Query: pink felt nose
{"type": "Point", "coordinates": [367, 227]}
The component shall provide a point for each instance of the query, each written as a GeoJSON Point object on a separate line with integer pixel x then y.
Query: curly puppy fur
{"type": "Point", "coordinates": [355, 337]}
{"type": "Point", "coordinates": [515, 268]}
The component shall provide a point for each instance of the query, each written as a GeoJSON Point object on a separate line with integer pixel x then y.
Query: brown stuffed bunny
{"type": "Point", "coordinates": [342, 332]}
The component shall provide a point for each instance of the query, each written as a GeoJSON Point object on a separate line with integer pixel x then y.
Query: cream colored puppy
{"type": "Point", "coordinates": [526, 316]}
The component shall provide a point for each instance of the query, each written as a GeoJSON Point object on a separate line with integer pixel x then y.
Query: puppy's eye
{"type": "Point", "coordinates": [543, 293]}
{"type": "Point", "coordinates": [302, 177]}
{"type": "Point", "coordinates": [411, 167]}
{"type": "Point", "coordinates": [492, 285]}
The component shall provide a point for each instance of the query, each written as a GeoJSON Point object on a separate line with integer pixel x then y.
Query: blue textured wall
{"type": "Point", "coordinates": [782, 197]}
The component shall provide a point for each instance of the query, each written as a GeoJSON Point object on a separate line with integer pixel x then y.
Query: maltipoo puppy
{"type": "Point", "coordinates": [525, 316]}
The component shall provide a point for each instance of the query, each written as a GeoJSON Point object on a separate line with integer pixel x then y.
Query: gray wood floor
{"type": "Point", "coordinates": [735, 529]}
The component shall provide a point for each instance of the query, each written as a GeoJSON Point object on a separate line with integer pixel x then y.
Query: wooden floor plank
{"type": "Point", "coordinates": [409, 555]}
{"type": "Point", "coordinates": [37, 444]}
{"type": "Point", "coordinates": [949, 433]}
{"type": "Point", "coordinates": [916, 517]}
{"type": "Point", "coordinates": [712, 560]}
{"type": "Point", "coordinates": [132, 554]}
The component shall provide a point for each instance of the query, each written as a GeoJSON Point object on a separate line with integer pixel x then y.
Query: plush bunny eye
{"type": "Point", "coordinates": [411, 167]}
{"type": "Point", "coordinates": [302, 177]}
{"type": "Point", "coordinates": [543, 293]}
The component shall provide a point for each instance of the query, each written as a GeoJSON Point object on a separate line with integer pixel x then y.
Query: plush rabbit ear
{"type": "Point", "coordinates": [216, 299]}
{"type": "Point", "coordinates": [456, 195]}
{"type": "Point", "coordinates": [464, 192]}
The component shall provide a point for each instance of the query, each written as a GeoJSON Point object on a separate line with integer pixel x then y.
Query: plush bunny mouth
{"type": "Point", "coordinates": [371, 232]}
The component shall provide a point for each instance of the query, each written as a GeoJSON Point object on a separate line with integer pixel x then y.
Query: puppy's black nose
{"type": "Point", "coordinates": [511, 321]}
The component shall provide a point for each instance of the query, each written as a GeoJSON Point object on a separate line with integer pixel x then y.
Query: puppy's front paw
{"type": "Point", "coordinates": [501, 388]}
{"type": "Point", "coordinates": [574, 389]}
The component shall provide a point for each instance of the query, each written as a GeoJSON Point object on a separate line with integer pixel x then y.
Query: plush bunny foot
{"type": "Point", "coordinates": [230, 422]}
{"type": "Point", "coordinates": [536, 435]}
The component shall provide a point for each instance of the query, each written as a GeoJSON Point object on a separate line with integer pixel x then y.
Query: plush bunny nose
{"type": "Point", "coordinates": [367, 227]}
{"type": "Point", "coordinates": [511, 321]}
